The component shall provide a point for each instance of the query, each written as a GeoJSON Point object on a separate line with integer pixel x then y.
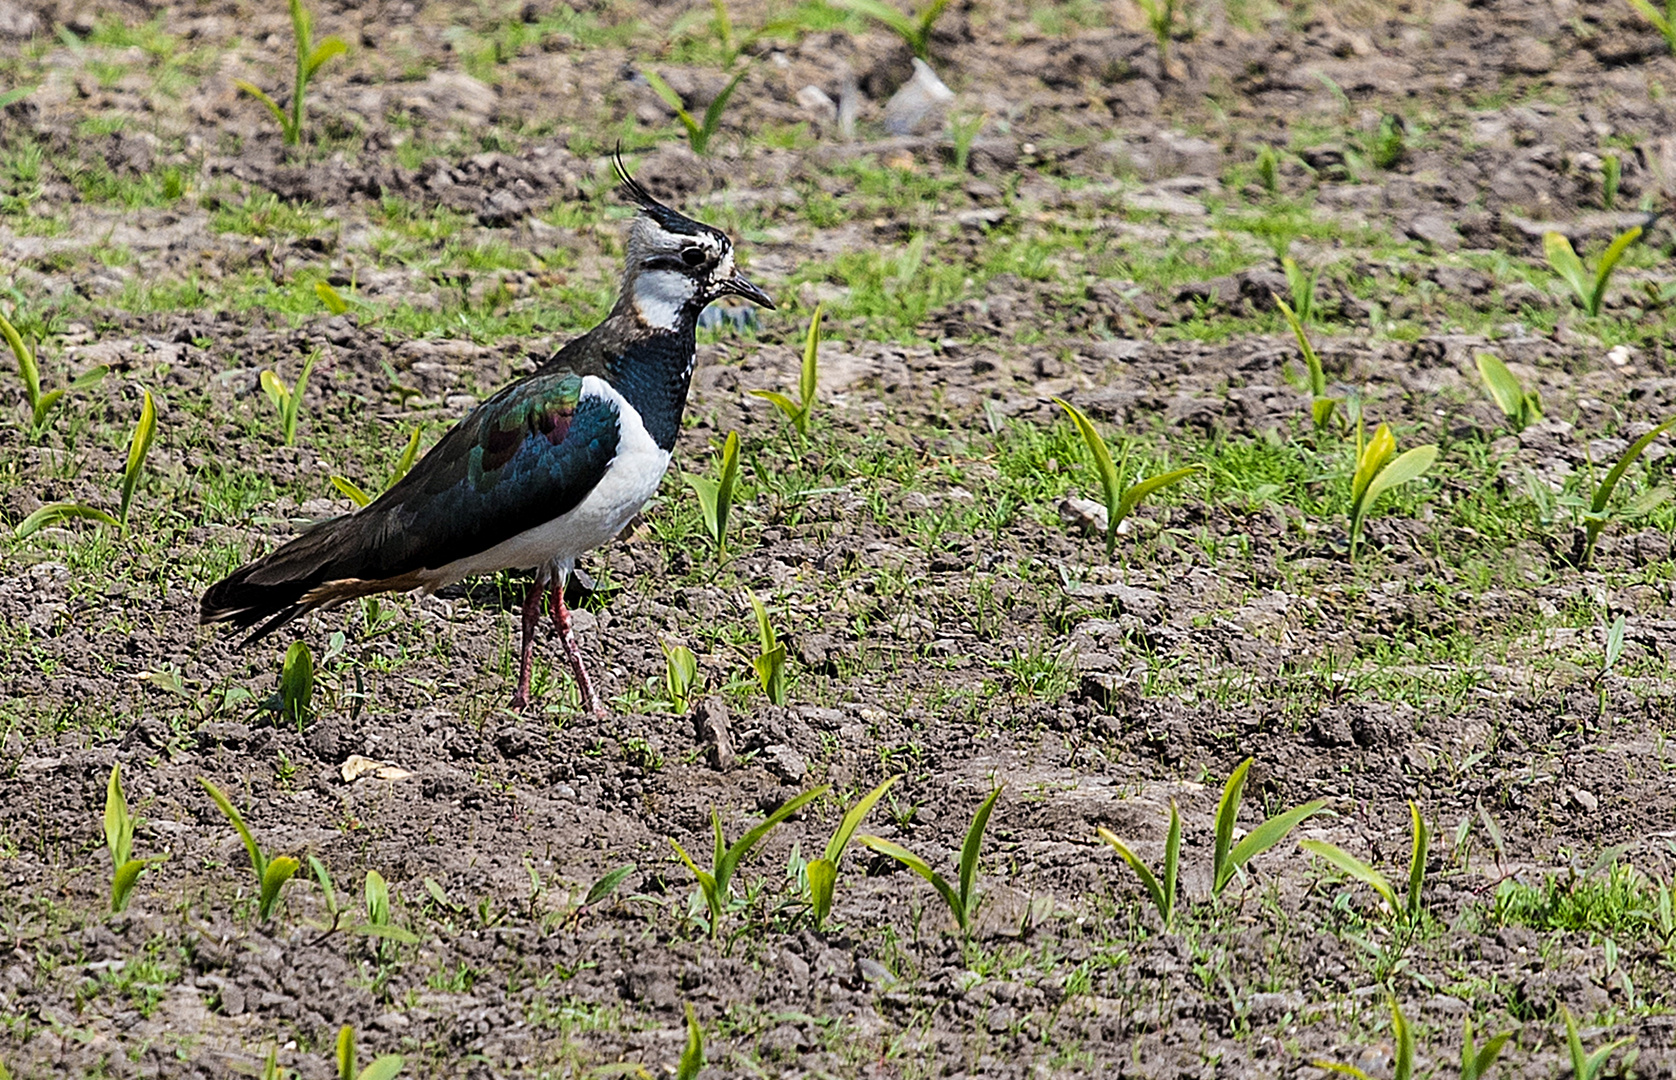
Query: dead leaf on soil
{"type": "Point", "coordinates": [357, 767]}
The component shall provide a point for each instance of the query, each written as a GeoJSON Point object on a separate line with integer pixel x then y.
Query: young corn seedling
{"type": "Point", "coordinates": [355, 494]}
{"type": "Point", "coordinates": [1228, 857]}
{"type": "Point", "coordinates": [823, 872]}
{"type": "Point", "coordinates": [770, 664]}
{"type": "Point", "coordinates": [378, 922]}
{"type": "Point", "coordinates": [715, 497]}
{"type": "Point", "coordinates": [1268, 169]}
{"type": "Point", "coordinates": [1120, 501]}
{"type": "Point", "coordinates": [1590, 288]}
{"type": "Point", "coordinates": [271, 874]}
{"type": "Point", "coordinates": [680, 675]}
{"type": "Point", "coordinates": [798, 411]}
{"type": "Point", "coordinates": [1162, 890]}
{"type": "Point", "coordinates": [962, 899]}
{"type": "Point", "coordinates": [1320, 405]}
{"type": "Point", "coordinates": [1663, 21]}
{"type": "Point", "coordinates": [139, 444]}
{"type": "Point", "coordinates": [1600, 512]}
{"type": "Point", "coordinates": [385, 1068]}
{"type": "Point", "coordinates": [1522, 407]}
{"type": "Point", "coordinates": [1379, 468]}
{"type": "Point", "coordinates": [692, 1056]}
{"type": "Point", "coordinates": [1587, 1065]}
{"type": "Point", "coordinates": [41, 402]}
{"type": "Point", "coordinates": [288, 400]}
{"type": "Point", "coordinates": [1611, 175]}
{"type": "Point", "coordinates": [1477, 1061]}
{"type": "Point", "coordinates": [913, 29]}
{"type": "Point", "coordinates": [600, 891]}
{"type": "Point", "coordinates": [715, 885]}
{"type": "Point", "coordinates": [1301, 283]}
{"type": "Point", "coordinates": [296, 685]}
{"type": "Point", "coordinates": [311, 57]}
{"type": "Point", "coordinates": [699, 132]}
{"type": "Point", "coordinates": [119, 840]}
{"type": "Point", "coordinates": [1408, 909]}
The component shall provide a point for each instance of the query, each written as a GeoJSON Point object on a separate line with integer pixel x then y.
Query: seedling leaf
{"type": "Point", "coordinates": [280, 870]}
{"type": "Point", "coordinates": [1417, 862]}
{"type": "Point", "coordinates": [334, 303]}
{"type": "Point", "coordinates": [383, 1068]}
{"type": "Point", "coordinates": [713, 114]}
{"type": "Point", "coordinates": [1227, 812]}
{"type": "Point", "coordinates": [607, 884]}
{"type": "Point", "coordinates": [741, 847]}
{"type": "Point", "coordinates": [1133, 495]}
{"type": "Point", "coordinates": [1162, 899]}
{"type": "Point", "coordinates": [692, 1058]}
{"type": "Point", "coordinates": [273, 106]}
{"type": "Point", "coordinates": [1608, 262]}
{"type": "Point", "coordinates": [1403, 1068]}
{"type": "Point", "coordinates": [53, 513]}
{"type": "Point", "coordinates": [1520, 407]}
{"type": "Point", "coordinates": [973, 845]}
{"type": "Point", "coordinates": [350, 490]}
{"type": "Point", "coordinates": [258, 862]}
{"type": "Point", "coordinates": [119, 824]}
{"type": "Point", "coordinates": [1353, 866]}
{"type": "Point", "coordinates": [123, 881]}
{"type": "Point", "coordinates": [1270, 833]}
{"type": "Point", "coordinates": [715, 497]}
{"type": "Point", "coordinates": [1103, 465]}
{"type": "Point", "coordinates": [138, 446]}
{"type": "Point", "coordinates": [852, 820]}
{"type": "Point", "coordinates": [922, 868]}
{"type": "Point", "coordinates": [346, 1034]}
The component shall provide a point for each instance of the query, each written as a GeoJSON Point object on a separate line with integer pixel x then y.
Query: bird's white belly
{"type": "Point", "coordinates": [630, 481]}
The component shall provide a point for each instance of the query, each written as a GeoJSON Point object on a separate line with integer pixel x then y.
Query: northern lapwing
{"type": "Point", "coordinates": [546, 470]}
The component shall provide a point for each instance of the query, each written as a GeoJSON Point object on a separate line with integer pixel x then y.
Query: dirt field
{"type": "Point", "coordinates": [1090, 223]}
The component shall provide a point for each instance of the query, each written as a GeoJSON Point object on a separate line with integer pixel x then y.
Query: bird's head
{"type": "Point", "coordinates": [676, 265]}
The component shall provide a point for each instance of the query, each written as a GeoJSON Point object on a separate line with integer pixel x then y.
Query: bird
{"type": "Point", "coordinates": [546, 470]}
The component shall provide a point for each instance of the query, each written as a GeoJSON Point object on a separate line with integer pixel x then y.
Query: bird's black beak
{"type": "Point", "coordinates": [739, 286]}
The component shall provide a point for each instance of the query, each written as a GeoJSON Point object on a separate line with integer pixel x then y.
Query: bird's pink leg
{"type": "Point", "coordinates": [567, 636]}
{"type": "Point", "coordinates": [532, 619]}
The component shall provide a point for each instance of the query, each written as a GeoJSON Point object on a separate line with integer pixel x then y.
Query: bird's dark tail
{"type": "Point", "coordinates": [321, 567]}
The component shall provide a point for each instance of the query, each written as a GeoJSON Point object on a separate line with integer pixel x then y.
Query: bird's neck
{"type": "Point", "coordinates": [653, 370]}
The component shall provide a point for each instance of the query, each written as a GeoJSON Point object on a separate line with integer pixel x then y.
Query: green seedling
{"type": "Point", "coordinates": [386, 1067]}
{"type": "Point", "coordinates": [716, 884]}
{"type": "Point", "coordinates": [1268, 169]}
{"type": "Point", "coordinates": [1600, 513]}
{"type": "Point", "coordinates": [310, 58]}
{"type": "Point", "coordinates": [271, 874]}
{"type": "Point", "coordinates": [1379, 468]}
{"type": "Point", "coordinates": [1587, 1065]}
{"type": "Point", "coordinates": [330, 298]}
{"type": "Point", "coordinates": [1161, 890]}
{"type": "Point", "coordinates": [913, 29]}
{"type": "Point", "coordinates": [378, 922]}
{"type": "Point", "coordinates": [139, 444]}
{"type": "Point", "coordinates": [692, 1057]}
{"type": "Point", "coordinates": [963, 132]}
{"type": "Point", "coordinates": [119, 840]}
{"type": "Point", "coordinates": [770, 663]}
{"type": "Point", "coordinates": [823, 872]}
{"type": "Point", "coordinates": [798, 411]}
{"type": "Point", "coordinates": [296, 684]}
{"type": "Point", "coordinates": [1161, 20]}
{"type": "Point", "coordinates": [699, 132]}
{"type": "Point", "coordinates": [601, 890]}
{"type": "Point", "coordinates": [715, 497]}
{"type": "Point", "coordinates": [1590, 288]}
{"type": "Point", "coordinates": [680, 675]}
{"type": "Point", "coordinates": [1409, 908]}
{"type": "Point", "coordinates": [288, 400]}
{"type": "Point", "coordinates": [270, 1067]}
{"type": "Point", "coordinates": [1120, 501]}
{"type": "Point", "coordinates": [1389, 144]}
{"type": "Point", "coordinates": [41, 402]}
{"type": "Point", "coordinates": [1320, 405]}
{"type": "Point", "coordinates": [1228, 857]}
{"type": "Point", "coordinates": [1664, 22]}
{"type": "Point", "coordinates": [355, 494]}
{"type": "Point", "coordinates": [1301, 284]}
{"type": "Point", "coordinates": [962, 900]}
{"type": "Point", "coordinates": [9, 98]}
{"type": "Point", "coordinates": [1522, 407]}
{"type": "Point", "coordinates": [1477, 1061]}
{"type": "Point", "coordinates": [1611, 175]}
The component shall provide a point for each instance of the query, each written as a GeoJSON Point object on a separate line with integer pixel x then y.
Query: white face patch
{"type": "Point", "coordinates": [659, 296]}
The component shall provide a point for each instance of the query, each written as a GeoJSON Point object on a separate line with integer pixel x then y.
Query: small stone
{"type": "Point", "coordinates": [785, 763]}
{"type": "Point", "coordinates": [920, 105]}
{"type": "Point", "coordinates": [1529, 56]}
{"type": "Point", "coordinates": [1435, 230]}
{"type": "Point", "coordinates": [817, 101]}
{"type": "Point", "coordinates": [1585, 800]}
{"type": "Point", "coordinates": [711, 720]}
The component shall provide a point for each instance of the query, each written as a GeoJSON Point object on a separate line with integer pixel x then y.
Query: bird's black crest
{"type": "Point", "coordinates": [667, 219]}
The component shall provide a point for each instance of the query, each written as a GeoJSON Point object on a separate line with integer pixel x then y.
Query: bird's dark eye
{"type": "Point", "coordinates": [693, 256]}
